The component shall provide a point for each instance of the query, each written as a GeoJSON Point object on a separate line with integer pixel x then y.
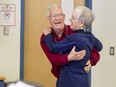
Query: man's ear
{"type": "Point", "coordinates": [64, 16]}
{"type": "Point", "coordinates": [47, 18]}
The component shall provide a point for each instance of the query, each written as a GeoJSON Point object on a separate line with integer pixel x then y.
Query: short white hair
{"type": "Point", "coordinates": [50, 7]}
{"type": "Point", "coordinates": [85, 15]}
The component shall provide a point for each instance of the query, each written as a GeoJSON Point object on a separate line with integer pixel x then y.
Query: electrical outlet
{"type": "Point", "coordinates": [111, 50]}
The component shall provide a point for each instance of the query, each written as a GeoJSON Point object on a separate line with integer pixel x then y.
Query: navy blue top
{"type": "Point", "coordinates": [83, 40]}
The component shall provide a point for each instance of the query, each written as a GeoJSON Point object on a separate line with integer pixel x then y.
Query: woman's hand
{"type": "Point", "coordinates": [47, 30]}
{"type": "Point", "coordinates": [88, 66]}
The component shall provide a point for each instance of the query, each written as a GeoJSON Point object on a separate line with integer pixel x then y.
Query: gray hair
{"type": "Point", "coordinates": [85, 15]}
{"type": "Point", "coordinates": [50, 7]}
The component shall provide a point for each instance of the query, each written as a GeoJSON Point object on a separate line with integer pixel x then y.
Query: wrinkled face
{"type": "Point", "coordinates": [56, 19]}
{"type": "Point", "coordinates": [75, 24]}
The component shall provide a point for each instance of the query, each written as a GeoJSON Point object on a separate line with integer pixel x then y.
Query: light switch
{"type": "Point", "coordinates": [111, 50]}
{"type": "Point", "coordinates": [6, 30]}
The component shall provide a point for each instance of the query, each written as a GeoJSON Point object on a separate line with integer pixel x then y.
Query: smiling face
{"type": "Point", "coordinates": [82, 18]}
{"type": "Point", "coordinates": [75, 23]}
{"type": "Point", "coordinates": [56, 19]}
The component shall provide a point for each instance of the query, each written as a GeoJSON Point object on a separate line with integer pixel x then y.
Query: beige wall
{"type": "Point", "coordinates": [10, 47]}
{"type": "Point", "coordinates": [104, 27]}
{"type": "Point", "coordinates": [79, 2]}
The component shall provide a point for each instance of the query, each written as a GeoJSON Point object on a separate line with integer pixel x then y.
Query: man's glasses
{"type": "Point", "coordinates": [56, 15]}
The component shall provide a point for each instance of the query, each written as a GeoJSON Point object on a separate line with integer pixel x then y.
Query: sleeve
{"type": "Point", "coordinates": [48, 39]}
{"type": "Point", "coordinates": [63, 46]}
{"type": "Point", "coordinates": [94, 57]}
{"type": "Point", "coordinates": [55, 59]}
{"type": "Point", "coordinates": [97, 44]}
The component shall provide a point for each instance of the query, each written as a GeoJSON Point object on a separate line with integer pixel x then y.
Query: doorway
{"type": "Point", "coordinates": [36, 66]}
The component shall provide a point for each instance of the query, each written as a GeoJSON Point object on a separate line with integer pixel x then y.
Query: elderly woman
{"type": "Point", "coordinates": [73, 74]}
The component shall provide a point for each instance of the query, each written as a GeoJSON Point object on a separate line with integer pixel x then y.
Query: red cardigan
{"type": "Point", "coordinates": [58, 60]}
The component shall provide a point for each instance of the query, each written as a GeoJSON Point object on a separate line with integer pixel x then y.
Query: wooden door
{"type": "Point", "coordinates": [36, 66]}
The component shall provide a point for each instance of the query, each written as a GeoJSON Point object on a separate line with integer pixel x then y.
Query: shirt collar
{"type": "Point", "coordinates": [63, 34]}
{"type": "Point", "coordinates": [79, 31]}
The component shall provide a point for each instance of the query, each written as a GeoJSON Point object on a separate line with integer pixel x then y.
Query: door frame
{"type": "Point", "coordinates": [22, 40]}
{"type": "Point", "coordinates": [88, 3]}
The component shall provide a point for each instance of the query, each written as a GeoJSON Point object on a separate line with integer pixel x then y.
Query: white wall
{"type": "Point", "coordinates": [104, 27]}
{"type": "Point", "coordinates": [10, 47]}
{"type": "Point", "coordinates": [67, 7]}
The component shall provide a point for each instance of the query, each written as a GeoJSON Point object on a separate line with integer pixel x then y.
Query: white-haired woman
{"type": "Point", "coordinates": [73, 74]}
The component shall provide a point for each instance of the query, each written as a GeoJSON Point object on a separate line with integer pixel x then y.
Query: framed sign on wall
{"type": "Point", "coordinates": [7, 14]}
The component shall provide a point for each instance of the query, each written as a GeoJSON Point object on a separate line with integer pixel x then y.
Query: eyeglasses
{"type": "Point", "coordinates": [56, 15]}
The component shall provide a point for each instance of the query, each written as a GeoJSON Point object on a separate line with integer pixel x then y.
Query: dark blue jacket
{"type": "Point", "coordinates": [73, 73]}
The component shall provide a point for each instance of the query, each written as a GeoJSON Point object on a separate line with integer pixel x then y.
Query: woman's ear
{"type": "Point", "coordinates": [81, 24]}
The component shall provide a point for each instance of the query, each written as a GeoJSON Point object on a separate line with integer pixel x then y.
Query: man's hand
{"type": "Point", "coordinates": [47, 31]}
{"type": "Point", "coordinates": [73, 55]}
{"type": "Point", "coordinates": [88, 66]}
